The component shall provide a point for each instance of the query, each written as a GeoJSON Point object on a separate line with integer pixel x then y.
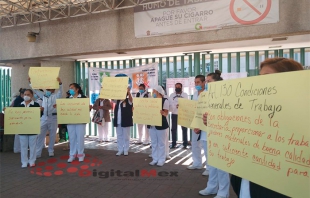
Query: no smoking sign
{"type": "Point", "coordinates": [247, 12]}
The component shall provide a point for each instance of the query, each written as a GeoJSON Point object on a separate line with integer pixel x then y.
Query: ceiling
{"type": "Point", "coordinates": [297, 41]}
{"type": "Point", "coordinates": [23, 12]}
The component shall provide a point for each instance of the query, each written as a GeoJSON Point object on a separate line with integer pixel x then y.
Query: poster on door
{"type": "Point", "coordinates": [178, 16]}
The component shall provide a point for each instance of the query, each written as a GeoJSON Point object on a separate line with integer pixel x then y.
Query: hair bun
{"type": "Point", "coordinates": [218, 72]}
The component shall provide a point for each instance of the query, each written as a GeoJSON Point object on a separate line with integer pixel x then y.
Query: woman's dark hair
{"type": "Point", "coordinates": [21, 91]}
{"type": "Point", "coordinates": [30, 90]}
{"type": "Point", "coordinates": [216, 75]}
{"type": "Point", "coordinates": [142, 85]}
{"type": "Point", "coordinates": [281, 64]}
{"type": "Point", "coordinates": [164, 89]}
{"type": "Point", "coordinates": [201, 77]}
{"type": "Point", "coordinates": [77, 86]}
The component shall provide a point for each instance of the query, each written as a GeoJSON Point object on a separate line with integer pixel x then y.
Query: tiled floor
{"type": "Point", "coordinates": [102, 174]}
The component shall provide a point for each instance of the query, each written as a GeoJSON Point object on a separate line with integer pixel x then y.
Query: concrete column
{"type": "Point", "coordinates": [66, 73]}
{"type": "Point", "coordinates": [20, 76]}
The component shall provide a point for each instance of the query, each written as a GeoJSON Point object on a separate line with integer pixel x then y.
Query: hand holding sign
{"type": "Point", "coordinates": [44, 77]}
{"type": "Point", "coordinates": [114, 88]}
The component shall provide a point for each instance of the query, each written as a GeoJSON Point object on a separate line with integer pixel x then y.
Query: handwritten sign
{"type": "Point", "coordinates": [147, 111]}
{"type": "Point", "coordinates": [114, 88]}
{"type": "Point", "coordinates": [201, 108]}
{"type": "Point", "coordinates": [186, 112]}
{"type": "Point", "coordinates": [73, 111]}
{"type": "Point", "coordinates": [44, 77]}
{"type": "Point", "coordinates": [259, 129]}
{"type": "Point", "coordinates": [22, 120]}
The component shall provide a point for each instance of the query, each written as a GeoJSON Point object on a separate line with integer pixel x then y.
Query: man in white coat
{"type": "Point", "coordinates": [49, 118]}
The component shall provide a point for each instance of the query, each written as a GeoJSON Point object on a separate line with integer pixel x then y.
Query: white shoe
{"type": "Point", "coordinates": [160, 164]}
{"type": "Point", "coordinates": [126, 153]}
{"type": "Point", "coordinates": [81, 159]}
{"type": "Point", "coordinates": [205, 192]}
{"type": "Point", "coordinates": [51, 154]}
{"type": "Point", "coordinates": [119, 153]}
{"type": "Point", "coordinates": [205, 173]}
{"type": "Point", "coordinates": [168, 157]}
{"type": "Point", "coordinates": [24, 166]}
{"type": "Point", "coordinates": [150, 155]}
{"type": "Point", "coordinates": [191, 167]}
{"type": "Point", "coordinates": [152, 163]}
{"type": "Point", "coordinates": [70, 159]}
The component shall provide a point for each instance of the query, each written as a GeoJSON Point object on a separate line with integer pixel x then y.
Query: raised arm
{"type": "Point", "coordinates": [36, 91]}
{"type": "Point", "coordinates": [59, 92]}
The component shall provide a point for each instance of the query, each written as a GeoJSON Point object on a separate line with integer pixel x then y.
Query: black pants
{"type": "Point", "coordinates": [174, 130]}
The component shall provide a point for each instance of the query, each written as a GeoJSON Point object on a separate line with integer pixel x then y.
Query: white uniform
{"type": "Point", "coordinates": [196, 144]}
{"type": "Point", "coordinates": [159, 141]}
{"type": "Point", "coordinates": [123, 133]}
{"type": "Point", "coordinates": [143, 127]}
{"type": "Point", "coordinates": [25, 142]}
{"type": "Point", "coordinates": [48, 121]}
{"type": "Point", "coordinates": [76, 136]}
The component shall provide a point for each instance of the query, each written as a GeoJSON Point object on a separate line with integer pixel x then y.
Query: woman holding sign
{"type": "Point", "coordinates": [28, 140]}
{"type": "Point", "coordinates": [158, 133]}
{"type": "Point", "coordinates": [123, 121]}
{"type": "Point", "coordinates": [76, 131]}
{"type": "Point", "coordinates": [218, 182]}
{"type": "Point", "coordinates": [102, 107]}
{"type": "Point", "coordinates": [242, 187]}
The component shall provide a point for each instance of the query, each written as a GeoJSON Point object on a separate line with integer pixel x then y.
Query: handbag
{"type": "Point", "coordinates": [97, 119]}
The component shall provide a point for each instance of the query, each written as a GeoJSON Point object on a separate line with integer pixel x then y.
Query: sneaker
{"type": "Point", "coordinates": [168, 157]}
{"type": "Point", "coordinates": [191, 167]}
{"type": "Point", "coordinates": [160, 164]}
{"type": "Point", "coordinates": [152, 163]}
{"type": "Point", "coordinates": [119, 153]}
{"type": "Point", "coordinates": [81, 159]}
{"type": "Point", "coordinates": [126, 153]}
{"type": "Point", "coordinates": [51, 154]}
{"type": "Point", "coordinates": [24, 166]}
{"type": "Point", "coordinates": [205, 192]}
{"type": "Point", "coordinates": [205, 173]}
{"type": "Point", "coordinates": [70, 159]}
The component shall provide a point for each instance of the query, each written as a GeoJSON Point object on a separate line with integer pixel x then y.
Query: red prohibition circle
{"type": "Point", "coordinates": [243, 22]}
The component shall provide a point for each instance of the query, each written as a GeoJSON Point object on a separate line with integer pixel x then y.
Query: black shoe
{"type": "Point", "coordinates": [184, 147]}
{"type": "Point", "coordinates": [172, 146]}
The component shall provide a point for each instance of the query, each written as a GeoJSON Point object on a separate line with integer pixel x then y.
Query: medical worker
{"type": "Point", "coordinates": [123, 122]}
{"type": "Point", "coordinates": [159, 133]}
{"type": "Point", "coordinates": [28, 140]}
{"type": "Point", "coordinates": [142, 127]}
{"type": "Point", "coordinates": [103, 107]}
{"type": "Point", "coordinates": [76, 131]}
{"type": "Point", "coordinates": [49, 118]}
{"type": "Point", "coordinates": [218, 182]}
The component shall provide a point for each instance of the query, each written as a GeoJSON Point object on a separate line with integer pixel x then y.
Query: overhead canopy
{"type": "Point", "coordinates": [23, 12]}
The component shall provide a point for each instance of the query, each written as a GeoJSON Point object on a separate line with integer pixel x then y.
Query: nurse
{"type": "Point", "coordinates": [28, 140]}
{"type": "Point", "coordinates": [159, 133]}
{"type": "Point", "coordinates": [218, 182]}
{"type": "Point", "coordinates": [76, 131]}
{"type": "Point", "coordinates": [49, 118]}
{"type": "Point", "coordinates": [103, 106]}
{"type": "Point", "coordinates": [123, 122]}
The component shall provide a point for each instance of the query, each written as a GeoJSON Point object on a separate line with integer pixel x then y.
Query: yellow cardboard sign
{"type": "Point", "coordinates": [22, 120]}
{"type": "Point", "coordinates": [259, 129]}
{"type": "Point", "coordinates": [114, 88]}
{"type": "Point", "coordinates": [186, 112]}
{"type": "Point", "coordinates": [147, 111]}
{"type": "Point", "coordinates": [44, 77]}
{"type": "Point", "coordinates": [73, 111]}
{"type": "Point", "coordinates": [201, 108]}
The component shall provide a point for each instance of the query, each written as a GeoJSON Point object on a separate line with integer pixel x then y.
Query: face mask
{"type": "Point", "coordinates": [141, 91]}
{"type": "Point", "coordinates": [206, 87]}
{"type": "Point", "coordinates": [71, 91]}
{"type": "Point", "coordinates": [154, 95]}
{"type": "Point", "coordinates": [178, 90]}
{"type": "Point", "coordinates": [27, 98]}
{"type": "Point", "coordinates": [198, 87]}
{"type": "Point", "coordinates": [48, 93]}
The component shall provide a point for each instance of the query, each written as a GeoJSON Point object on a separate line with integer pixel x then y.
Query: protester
{"type": "Point", "coordinates": [102, 107]}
